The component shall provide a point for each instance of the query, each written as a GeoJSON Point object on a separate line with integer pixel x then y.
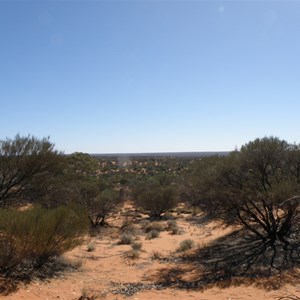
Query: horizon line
{"type": "Point", "coordinates": [167, 153]}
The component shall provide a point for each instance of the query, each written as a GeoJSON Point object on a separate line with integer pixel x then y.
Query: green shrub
{"type": "Point", "coordinates": [38, 234]}
{"type": "Point", "coordinates": [152, 234]}
{"type": "Point", "coordinates": [185, 245]}
{"type": "Point", "coordinates": [156, 199]}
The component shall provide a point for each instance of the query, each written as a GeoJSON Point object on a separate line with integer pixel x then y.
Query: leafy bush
{"type": "Point", "coordinates": [155, 198]}
{"type": "Point", "coordinates": [185, 245]}
{"type": "Point", "coordinates": [152, 234]}
{"type": "Point", "coordinates": [35, 235]}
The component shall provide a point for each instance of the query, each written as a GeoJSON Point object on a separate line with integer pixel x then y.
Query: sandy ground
{"type": "Point", "coordinates": [108, 263]}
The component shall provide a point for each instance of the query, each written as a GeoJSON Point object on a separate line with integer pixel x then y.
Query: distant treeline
{"type": "Point", "coordinates": [165, 154]}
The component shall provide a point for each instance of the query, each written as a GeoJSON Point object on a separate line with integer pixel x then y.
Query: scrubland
{"type": "Point", "coordinates": [83, 227]}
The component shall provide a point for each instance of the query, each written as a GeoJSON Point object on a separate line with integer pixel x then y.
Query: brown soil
{"type": "Point", "coordinates": [107, 269]}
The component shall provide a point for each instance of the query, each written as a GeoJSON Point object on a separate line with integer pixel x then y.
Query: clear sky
{"type": "Point", "coordinates": [150, 76]}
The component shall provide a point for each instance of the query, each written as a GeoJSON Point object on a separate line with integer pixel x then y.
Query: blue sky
{"type": "Point", "coordinates": [150, 76]}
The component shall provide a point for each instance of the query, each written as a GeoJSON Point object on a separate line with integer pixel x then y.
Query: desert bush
{"type": "Point", "coordinates": [172, 227]}
{"type": "Point", "coordinates": [155, 198]}
{"type": "Point", "coordinates": [152, 234]}
{"type": "Point", "coordinates": [129, 227]}
{"type": "Point", "coordinates": [144, 224]}
{"type": "Point", "coordinates": [154, 226]}
{"type": "Point", "coordinates": [136, 246]}
{"type": "Point", "coordinates": [86, 294]}
{"type": "Point", "coordinates": [90, 247]}
{"type": "Point", "coordinates": [133, 254]}
{"type": "Point", "coordinates": [36, 235]}
{"type": "Point", "coordinates": [126, 239]}
{"type": "Point", "coordinates": [156, 255]}
{"type": "Point", "coordinates": [98, 203]}
{"type": "Point", "coordinates": [185, 245]}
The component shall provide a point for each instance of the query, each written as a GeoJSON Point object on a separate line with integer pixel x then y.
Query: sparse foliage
{"type": "Point", "coordinates": [258, 188]}
{"type": "Point", "coordinates": [98, 203]}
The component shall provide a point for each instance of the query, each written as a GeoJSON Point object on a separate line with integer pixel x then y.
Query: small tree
{"type": "Point", "coordinates": [83, 164]}
{"type": "Point", "coordinates": [103, 205]}
{"type": "Point", "coordinates": [24, 161]}
{"type": "Point", "coordinates": [259, 189]}
{"type": "Point", "coordinates": [156, 199]}
{"type": "Point", "coordinates": [98, 199]}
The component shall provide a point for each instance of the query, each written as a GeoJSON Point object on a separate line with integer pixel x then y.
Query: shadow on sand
{"type": "Point", "coordinates": [231, 261]}
{"type": "Point", "coordinates": [24, 274]}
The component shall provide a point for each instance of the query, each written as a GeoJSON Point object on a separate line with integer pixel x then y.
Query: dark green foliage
{"type": "Point", "coordinates": [34, 236]}
{"type": "Point", "coordinates": [25, 162]}
{"type": "Point", "coordinates": [155, 198]}
{"type": "Point", "coordinates": [196, 187]}
{"type": "Point", "coordinates": [83, 164]}
{"type": "Point", "coordinates": [102, 205]}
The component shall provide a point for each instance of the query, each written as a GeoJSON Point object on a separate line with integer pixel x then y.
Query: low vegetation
{"type": "Point", "coordinates": [152, 234]}
{"type": "Point", "coordinates": [126, 239]}
{"type": "Point", "coordinates": [32, 237]}
{"type": "Point", "coordinates": [172, 227]}
{"type": "Point", "coordinates": [49, 201]}
{"type": "Point", "coordinates": [185, 245]}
